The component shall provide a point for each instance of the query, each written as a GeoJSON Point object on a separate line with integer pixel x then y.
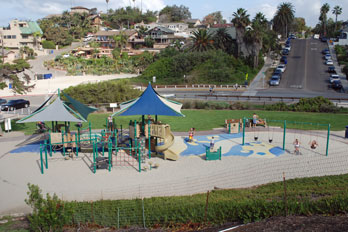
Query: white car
{"type": "Point", "coordinates": [282, 67]}
{"type": "Point", "coordinates": [327, 57]}
{"type": "Point", "coordinates": [329, 62]}
{"type": "Point", "coordinates": [86, 39]}
{"type": "Point", "coordinates": [66, 55]}
{"type": "Point", "coordinates": [334, 77]}
{"type": "Point", "coordinates": [288, 47]}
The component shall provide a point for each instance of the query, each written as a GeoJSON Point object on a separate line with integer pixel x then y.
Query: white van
{"type": "Point", "coordinates": [316, 36]}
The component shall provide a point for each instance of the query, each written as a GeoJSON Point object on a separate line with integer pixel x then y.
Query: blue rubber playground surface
{"type": "Point", "coordinates": [231, 146]}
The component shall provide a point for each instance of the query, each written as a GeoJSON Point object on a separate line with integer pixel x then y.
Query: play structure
{"type": "Point", "coordinates": [210, 154]}
{"type": "Point", "coordinates": [132, 149]}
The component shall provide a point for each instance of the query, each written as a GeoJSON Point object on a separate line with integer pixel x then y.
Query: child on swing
{"type": "Point", "coordinates": [314, 144]}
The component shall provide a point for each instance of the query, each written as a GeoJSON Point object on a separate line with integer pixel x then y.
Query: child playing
{"type": "Point", "coordinates": [314, 144]}
{"type": "Point", "coordinates": [212, 144]}
{"type": "Point", "coordinates": [190, 135]}
{"type": "Point", "coordinates": [297, 146]}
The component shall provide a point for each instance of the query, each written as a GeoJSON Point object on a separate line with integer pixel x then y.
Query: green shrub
{"type": "Point", "coordinates": [49, 214]}
{"type": "Point", "coordinates": [46, 44]}
{"type": "Point", "coordinates": [103, 92]}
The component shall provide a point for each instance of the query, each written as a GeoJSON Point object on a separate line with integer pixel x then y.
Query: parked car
{"type": "Point", "coordinates": [325, 51]}
{"type": "Point", "coordinates": [275, 80]}
{"type": "Point", "coordinates": [331, 69]}
{"type": "Point", "coordinates": [15, 104]}
{"type": "Point", "coordinates": [323, 39]}
{"type": "Point", "coordinates": [292, 36]}
{"type": "Point", "coordinates": [278, 72]}
{"type": "Point", "coordinates": [284, 60]}
{"type": "Point", "coordinates": [287, 42]}
{"type": "Point", "coordinates": [282, 67]}
{"type": "Point", "coordinates": [2, 101]}
{"type": "Point", "coordinates": [288, 47]}
{"type": "Point", "coordinates": [329, 62]}
{"type": "Point", "coordinates": [327, 57]}
{"type": "Point", "coordinates": [336, 85]}
{"type": "Point", "coordinates": [285, 52]}
{"type": "Point", "coordinates": [334, 77]}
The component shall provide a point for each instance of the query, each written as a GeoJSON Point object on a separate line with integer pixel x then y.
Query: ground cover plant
{"type": "Point", "coordinates": [326, 195]}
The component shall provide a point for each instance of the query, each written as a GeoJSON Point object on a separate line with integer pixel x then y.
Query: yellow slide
{"type": "Point", "coordinates": [168, 142]}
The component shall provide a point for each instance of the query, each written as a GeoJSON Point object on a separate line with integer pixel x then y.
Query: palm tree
{"type": "Point", "coordinates": [337, 10]}
{"type": "Point", "coordinates": [240, 21]}
{"type": "Point", "coordinates": [323, 16]}
{"type": "Point", "coordinates": [120, 40]}
{"type": "Point", "coordinates": [260, 19]}
{"type": "Point", "coordinates": [202, 40]}
{"type": "Point", "coordinates": [223, 40]}
{"type": "Point", "coordinates": [283, 18]}
{"type": "Point", "coordinates": [107, 6]}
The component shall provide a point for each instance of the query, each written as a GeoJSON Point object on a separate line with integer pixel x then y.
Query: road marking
{"type": "Point", "coordinates": [313, 43]}
{"type": "Point", "coordinates": [314, 49]}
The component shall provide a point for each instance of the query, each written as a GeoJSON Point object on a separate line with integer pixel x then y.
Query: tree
{"type": "Point", "coordinates": [120, 40]}
{"type": "Point", "coordinates": [214, 18]}
{"type": "Point", "coordinates": [283, 18]}
{"type": "Point", "coordinates": [240, 20]}
{"type": "Point", "coordinates": [59, 35]}
{"type": "Point", "coordinates": [174, 13]}
{"type": "Point", "coordinates": [299, 25]}
{"type": "Point", "coordinates": [323, 17]}
{"type": "Point", "coordinates": [337, 10]}
{"type": "Point", "coordinates": [223, 40]}
{"type": "Point", "coordinates": [202, 40]}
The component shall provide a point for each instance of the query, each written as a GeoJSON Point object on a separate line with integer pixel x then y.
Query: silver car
{"type": "Point", "coordinates": [275, 80]}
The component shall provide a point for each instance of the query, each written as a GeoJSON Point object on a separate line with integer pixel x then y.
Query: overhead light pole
{"type": "Point", "coordinates": [2, 48]}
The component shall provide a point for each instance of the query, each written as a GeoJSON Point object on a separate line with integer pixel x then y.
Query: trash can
{"type": "Point", "coordinates": [10, 86]}
{"type": "Point", "coordinates": [346, 136]}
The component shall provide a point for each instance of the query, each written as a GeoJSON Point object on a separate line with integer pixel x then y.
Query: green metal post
{"type": "Point", "coordinates": [149, 135]}
{"type": "Point", "coordinates": [102, 142]}
{"type": "Point", "coordinates": [284, 135]}
{"type": "Point", "coordinates": [135, 133]}
{"type": "Point", "coordinates": [63, 143]}
{"type": "Point", "coordinates": [110, 154]}
{"type": "Point", "coordinates": [65, 127]}
{"type": "Point", "coordinates": [45, 144]}
{"type": "Point", "coordinates": [94, 158]}
{"type": "Point", "coordinates": [41, 160]}
{"type": "Point", "coordinates": [121, 133]}
{"type": "Point", "coordinates": [52, 125]}
{"type": "Point", "coordinates": [239, 126]}
{"type": "Point", "coordinates": [76, 147]}
{"type": "Point", "coordinates": [243, 131]}
{"type": "Point", "coordinates": [143, 124]}
{"type": "Point", "coordinates": [138, 152]}
{"type": "Point", "coordinates": [156, 118]}
{"type": "Point", "coordinates": [79, 134]}
{"type": "Point", "coordinates": [49, 139]}
{"type": "Point", "coordinates": [328, 139]}
{"type": "Point", "coordinates": [229, 128]}
{"type": "Point", "coordinates": [90, 132]}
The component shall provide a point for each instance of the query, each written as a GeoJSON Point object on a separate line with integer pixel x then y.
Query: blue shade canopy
{"type": "Point", "coordinates": [150, 103]}
{"type": "Point", "coordinates": [57, 111]}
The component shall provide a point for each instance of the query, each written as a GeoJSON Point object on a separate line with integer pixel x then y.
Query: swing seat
{"type": "Point", "coordinates": [270, 140]}
{"type": "Point", "coordinates": [256, 138]}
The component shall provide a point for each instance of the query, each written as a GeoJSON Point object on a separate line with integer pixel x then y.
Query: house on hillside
{"type": "Point", "coordinates": [193, 22]}
{"type": "Point", "coordinates": [79, 10]}
{"type": "Point", "coordinates": [9, 56]}
{"type": "Point", "coordinates": [162, 36]}
{"type": "Point", "coordinates": [21, 33]}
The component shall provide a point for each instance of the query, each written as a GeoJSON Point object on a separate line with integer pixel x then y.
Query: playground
{"type": "Point", "coordinates": [147, 159]}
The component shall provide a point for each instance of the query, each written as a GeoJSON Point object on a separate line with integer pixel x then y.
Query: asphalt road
{"type": "Point", "coordinates": [306, 69]}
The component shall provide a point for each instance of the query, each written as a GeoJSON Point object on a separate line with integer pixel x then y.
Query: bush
{"type": "Point", "coordinates": [103, 92]}
{"type": "Point", "coordinates": [46, 44]}
{"type": "Point", "coordinates": [49, 214]}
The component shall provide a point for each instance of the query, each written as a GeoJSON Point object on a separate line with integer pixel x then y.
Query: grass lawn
{"type": "Point", "coordinates": [209, 119]}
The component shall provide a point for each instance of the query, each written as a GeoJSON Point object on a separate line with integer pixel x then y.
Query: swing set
{"type": "Point", "coordinates": [313, 136]}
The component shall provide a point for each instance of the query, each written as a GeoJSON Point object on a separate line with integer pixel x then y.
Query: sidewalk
{"type": "Point", "coordinates": [47, 86]}
{"type": "Point", "coordinates": [259, 81]}
{"type": "Point", "coordinates": [338, 69]}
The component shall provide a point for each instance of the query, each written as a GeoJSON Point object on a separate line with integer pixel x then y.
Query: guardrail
{"type": "Point", "coordinates": [258, 98]}
{"type": "Point", "coordinates": [201, 86]}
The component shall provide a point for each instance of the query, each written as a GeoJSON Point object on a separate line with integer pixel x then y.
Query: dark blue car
{"type": "Point", "coordinates": [15, 104]}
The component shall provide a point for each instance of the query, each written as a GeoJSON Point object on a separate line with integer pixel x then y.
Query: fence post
{"type": "Point", "coordinates": [46, 162]}
{"type": "Point", "coordinates": [143, 213]}
{"type": "Point", "coordinates": [284, 134]}
{"type": "Point", "coordinates": [285, 200]}
{"type": "Point", "coordinates": [328, 139]}
{"type": "Point", "coordinates": [206, 208]}
{"type": "Point", "coordinates": [41, 160]}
